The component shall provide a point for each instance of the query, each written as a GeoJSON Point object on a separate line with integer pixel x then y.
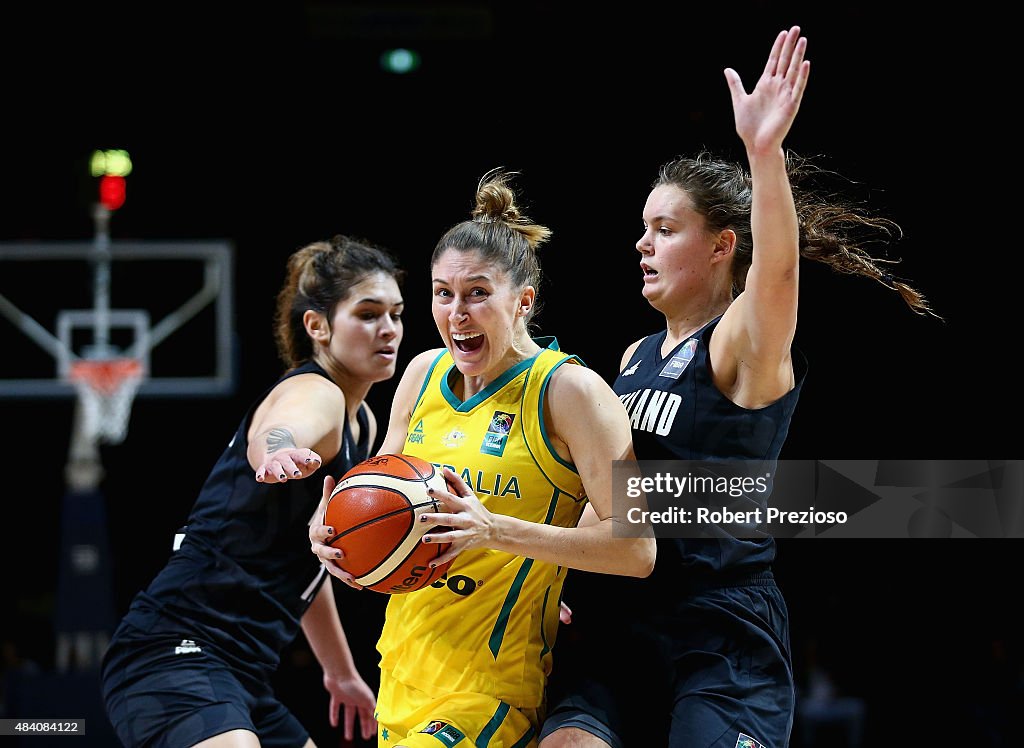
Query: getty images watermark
{"type": "Point", "coordinates": [821, 498]}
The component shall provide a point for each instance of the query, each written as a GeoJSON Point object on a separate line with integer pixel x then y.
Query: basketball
{"type": "Point", "coordinates": [374, 510]}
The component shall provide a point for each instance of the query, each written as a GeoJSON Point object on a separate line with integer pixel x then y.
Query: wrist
{"type": "Point", "coordinates": [340, 671]}
{"type": "Point", "coordinates": [509, 534]}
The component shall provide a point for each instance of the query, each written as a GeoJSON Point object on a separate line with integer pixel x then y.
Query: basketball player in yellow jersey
{"type": "Point", "coordinates": [527, 435]}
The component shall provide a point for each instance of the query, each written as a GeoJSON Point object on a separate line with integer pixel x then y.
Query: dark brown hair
{"type": "Point", "coordinates": [832, 230]}
{"type": "Point", "coordinates": [320, 275]}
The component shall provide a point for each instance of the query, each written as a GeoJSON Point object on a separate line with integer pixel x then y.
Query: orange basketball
{"type": "Point", "coordinates": [374, 510]}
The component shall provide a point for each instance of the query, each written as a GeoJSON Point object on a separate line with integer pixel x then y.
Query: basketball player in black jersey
{"type": "Point", "coordinates": [192, 660]}
{"type": "Point", "coordinates": [698, 654]}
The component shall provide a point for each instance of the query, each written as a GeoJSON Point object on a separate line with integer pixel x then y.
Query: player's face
{"type": "Point", "coordinates": [476, 311]}
{"type": "Point", "coordinates": [366, 329]}
{"type": "Point", "coordinates": [675, 250]}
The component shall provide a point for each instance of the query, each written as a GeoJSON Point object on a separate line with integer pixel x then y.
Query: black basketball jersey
{"type": "Point", "coordinates": [244, 574]}
{"type": "Point", "coordinates": [677, 413]}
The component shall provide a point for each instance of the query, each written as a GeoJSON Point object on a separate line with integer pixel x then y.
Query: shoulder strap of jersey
{"type": "Point", "coordinates": [561, 473]}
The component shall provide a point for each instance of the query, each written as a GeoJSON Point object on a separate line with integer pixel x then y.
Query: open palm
{"type": "Point", "coordinates": [764, 116]}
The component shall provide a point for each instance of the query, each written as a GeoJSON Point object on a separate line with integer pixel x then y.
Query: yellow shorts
{"type": "Point", "coordinates": [411, 718]}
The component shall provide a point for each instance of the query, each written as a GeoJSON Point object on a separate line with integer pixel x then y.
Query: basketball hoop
{"type": "Point", "coordinates": [106, 389]}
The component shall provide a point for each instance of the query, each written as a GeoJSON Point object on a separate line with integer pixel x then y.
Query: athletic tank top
{"type": "Point", "coordinates": [677, 413]}
{"type": "Point", "coordinates": [243, 575]}
{"type": "Point", "coordinates": [489, 625]}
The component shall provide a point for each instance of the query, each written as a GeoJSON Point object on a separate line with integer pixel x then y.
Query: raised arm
{"type": "Point", "coordinates": [759, 327]}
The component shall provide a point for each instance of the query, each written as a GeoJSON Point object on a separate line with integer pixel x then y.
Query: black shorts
{"type": "Point", "coordinates": [166, 692]}
{"type": "Point", "coordinates": [713, 672]}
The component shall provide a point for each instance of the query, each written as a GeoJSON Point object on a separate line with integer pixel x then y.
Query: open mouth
{"type": "Point", "coordinates": [648, 270]}
{"type": "Point", "coordinates": [468, 342]}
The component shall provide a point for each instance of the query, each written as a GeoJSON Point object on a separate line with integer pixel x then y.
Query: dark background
{"type": "Point", "coordinates": [272, 128]}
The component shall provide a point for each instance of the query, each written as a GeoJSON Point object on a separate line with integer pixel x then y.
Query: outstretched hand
{"type": "Point", "coordinates": [287, 464]}
{"type": "Point", "coordinates": [764, 116]}
{"type": "Point", "coordinates": [467, 523]}
{"type": "Point", "coordinates": [320, 534]}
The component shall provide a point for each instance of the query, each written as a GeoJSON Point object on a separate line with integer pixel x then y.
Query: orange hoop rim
{"type": "Point", "coordinates": [106, 374]}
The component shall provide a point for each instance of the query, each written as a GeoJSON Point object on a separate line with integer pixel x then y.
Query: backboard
{"type": "Point", "coordinates": [166, 303]}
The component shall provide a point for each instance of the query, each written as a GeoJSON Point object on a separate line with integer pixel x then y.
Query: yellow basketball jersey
{"type": "Point", "coordinates": [489, 625]}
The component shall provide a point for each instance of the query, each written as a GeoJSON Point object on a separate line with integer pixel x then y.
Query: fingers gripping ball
{"type": "Point", "coordinates": [375, 509]}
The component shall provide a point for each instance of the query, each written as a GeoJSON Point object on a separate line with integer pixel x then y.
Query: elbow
{"type": "Point", "coordinates": [645, 556]}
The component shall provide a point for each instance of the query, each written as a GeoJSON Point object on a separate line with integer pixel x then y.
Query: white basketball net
{"type": "Point", "coordinates": [106, 389]}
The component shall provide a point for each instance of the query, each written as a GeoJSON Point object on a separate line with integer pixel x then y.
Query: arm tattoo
{"type": "Point", "coordinates": [279, 439]}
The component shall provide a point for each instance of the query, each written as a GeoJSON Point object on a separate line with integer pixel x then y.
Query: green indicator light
{"type": "Point", "coordinates": [400, 61]}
